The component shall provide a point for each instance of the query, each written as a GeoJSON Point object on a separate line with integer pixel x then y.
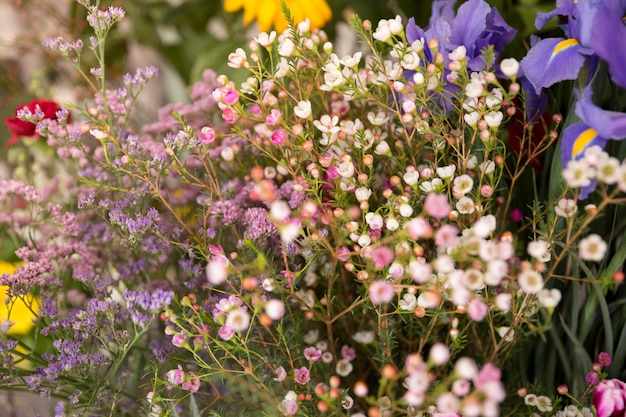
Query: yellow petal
{"type": "Point", "coordinates": [231, 6]}
{"type": "Point", "coordinates": [20, 310]}
{"type": "Point", "coordinates": [268, 13]}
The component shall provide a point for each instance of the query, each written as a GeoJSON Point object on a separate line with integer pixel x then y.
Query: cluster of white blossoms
{"type": "Point", "coordinates": [595, 166]}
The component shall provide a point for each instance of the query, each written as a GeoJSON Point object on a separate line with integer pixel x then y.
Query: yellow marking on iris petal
{"type": "Point", "coordinates": [583, 140]}
{"type": "Point", "coordinates": [567, 43]}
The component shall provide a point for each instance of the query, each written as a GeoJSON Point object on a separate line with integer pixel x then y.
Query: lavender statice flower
{"type": "Point", "coordinates": [257, 224]}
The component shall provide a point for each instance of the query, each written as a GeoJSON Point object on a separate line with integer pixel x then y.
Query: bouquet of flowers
{"type": "Point", "coordinates": [370, 234]}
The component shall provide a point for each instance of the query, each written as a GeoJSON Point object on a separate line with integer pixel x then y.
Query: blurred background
{"type": "Point", "coordinates": [181, 37]}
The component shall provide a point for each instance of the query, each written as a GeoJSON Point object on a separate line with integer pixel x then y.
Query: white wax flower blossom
{"type": "Point", "coordinates": [474, 89]}
{"type": "Point", "coordinates": [286, 47]}
{"type": "Point", "coordinates": [346, 169]}
{"type": "Point", "coordinates": [238, 59]}
{"type": "Point", "coordinates": [463, 184]}
{"type": "Point", "coordinates": [227, 154]}
{"type": "Point", "coordinates": [351, 60]}
{"type": "Point", "coordinates": [383, 32]}
{"type": "Point", "coordinates": [408, 302]}
{"type": "Point", "coordinates": [395, 25]}
{"type": "Point", "coordinates": [410, 61]}
{"type": "Point", "coordinates": [509, 67]}
{"type": "Point", "coordinates": [303, 109]}
{"type": "Point", "coordinates": [507, 333]}
{"type": "Point", "coordinates": [566, 207]}
{"type": "Point", "coordinates": [392, 224]}
{"type": "Point", "coordinates": [98, 134]}
{"type": "Point", "coordinates": [592, 248]}
{"type": "Point", "coordinates": [378, 119]}
{"type": "Point", "coordinates": [472, 118]}
{"type": "Point", "coordinates": [549, 298]}
{"type": "Point", "coordinates": [494, 118]}
{"type": "Point", "coordinates": [364, 337]}
{"type": "Point", "coordinates": [530, 281]}
{"type": "Point", "coordinates": [238, 320]}
{"type": "Point", "coordinates": [608, 170]}
{"type": "Point", "coordinates": [311, 337]}
{"type": "Point", "coordinates": [343, 367]}
{"type": "Point", "coordinates": [487, 167]}
{"type": "Point", "coordinates": [439, 354]}
{"type": "Point", "coordinates": [433, 82]}
{"type": "Point", "coordinates": [458, 54]}
{"type": "Point", "coordinates": [540, 250]}
{"type": "Point", "coordinates": [446, 172]}
{"type": "Point", "coordinates": [264, 39]}
{"type": "Point", "coordinates": [465, 205]}
{"type": "Point", "coordinates": [418, 78]}
{"type": "Point", "coordinates": [577, 173]}
{"type": "Point", "coordinates": [382, 148]}
{"type": "Point", "coordinates": [362, 193]}
{"type": "Point", "coordinates": [280, 211]}
{"type": "Point", "coordinates": [405, 210]}
{"type": "Point", "coordinates": [411, 177]}
{"type": "Point", "coordinates": [544, 404]}
{"type": "Point", "coordinates": [494, 99]}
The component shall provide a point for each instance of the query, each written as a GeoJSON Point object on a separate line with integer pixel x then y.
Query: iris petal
{"type": "Point", "coordinates": [576, 139]}
{"type": "Point", "coordinates": [551, 61]}
{"type": "Point", "coordinates": [609, 124]}
{"type": "Point", "coordinates": [608, 37]}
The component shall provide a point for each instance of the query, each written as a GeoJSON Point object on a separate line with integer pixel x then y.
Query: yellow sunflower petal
{"type": "Point", "coordinates": [251, 10]}
{"type": "Point", "coordinates": [231, 6]}
{"type": "Point", "coordinates": [269, 14]}
{"type": "Point", "coordinates": [318, 12]}
{"type": "Point", "coordinates": [20, 310]}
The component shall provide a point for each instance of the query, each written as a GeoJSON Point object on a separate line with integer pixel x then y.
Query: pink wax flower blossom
{"type": "Point", "coordinates": [278, 137]}
{"type": "Point", "coordinates": [381, 292]}
{"type": "Point", "coordinates": [447, 236]}
{"type": "Point", "coordinates": [229, 115]}
{"type": "Point", "coordinates": [273, 118]}
{"type": "Point", "coordinates": [207, 135]}
{"type": "Point", "coordinates": [348, 353]}
{"type": "Point", "coordinates": [192, 384]}
{"type": "Point", "coordinates": [175, 376]}
{"type": "Point", "coordinates": [609, 398]}
{"type": "Point", "coordinates": [226, 332]}
{"type": "Point", "coordinates": [437, 206]}
{"type": "Point", "coordinates": [280, 373]}
{"type": "Point", "coordinates": [477, 310]}
{"type": "Point", "coordinates": [289, 405]}
{"type": "Point", "coordinates": [382, 257]}
{"type": "Point", "coordinates": [230, 96]}
{"type": "Point", "coordinates": [302, 375]}
{"type": "Point", "coordinates": [312, 354]}
{"type": "Point", "coordinates": [179, 340]}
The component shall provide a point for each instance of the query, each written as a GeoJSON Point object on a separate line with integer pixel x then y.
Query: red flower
{"type": "Point", "coordinates": [20, 128]}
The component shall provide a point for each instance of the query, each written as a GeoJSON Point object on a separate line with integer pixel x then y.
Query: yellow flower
{"type": "Point", "coordinates": [268, 13]}
{"type": "Point", "coordinates": [20, 310]}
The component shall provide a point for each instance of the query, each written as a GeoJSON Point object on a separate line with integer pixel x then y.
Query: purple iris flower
{"type": "Point", "coordinates": [475, 26]}
{"type": "Point", "coordinates": [608, 38]}
{"type": "Point", "coordinates": [597, 127]}
{"type": "Point", "coordinates": [556, 59]}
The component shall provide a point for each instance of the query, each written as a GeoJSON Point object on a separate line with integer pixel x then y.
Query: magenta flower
{"type": "Point", "coordinates": [273, 117]}
{"type": "Point", "coordinates": [437, 206]}
{"type": "Point", "coordinates": [609, 398]}
{"type": "Point", "coordinates": [604, 359]}
{"type": "Point", "coordinates": [302, 375]}
{"type": "Point", "coordinates": [278, 137]}
{"type": "Point", "coordinates": [381, 292]}
{"type": "Point", "coordinates": [382, 257]}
